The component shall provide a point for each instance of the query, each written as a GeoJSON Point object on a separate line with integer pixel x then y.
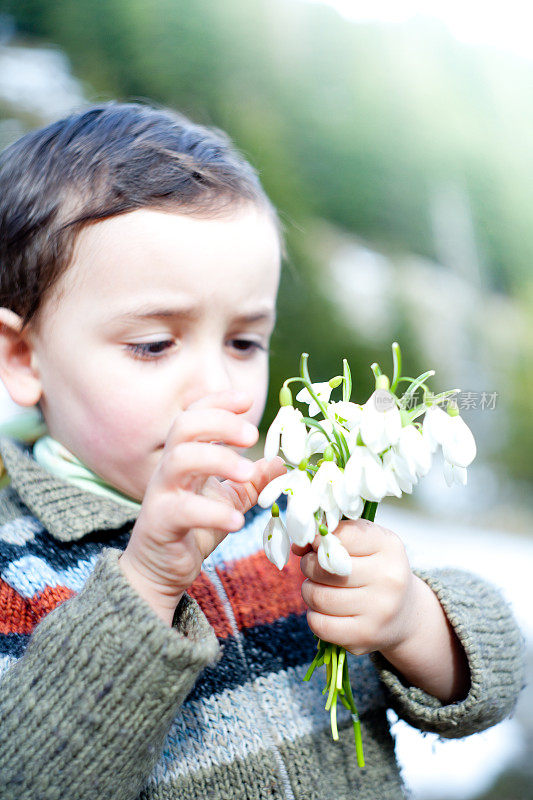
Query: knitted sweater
{"type": "Point", "coordinates": [99, 700]}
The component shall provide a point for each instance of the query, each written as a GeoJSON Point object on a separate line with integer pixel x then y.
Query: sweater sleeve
{"type": "Point", "coordinates": [495, 649]}
{"type": "Point", "coordinates": [86, 710]}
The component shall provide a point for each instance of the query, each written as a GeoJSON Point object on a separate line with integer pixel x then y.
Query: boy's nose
{"type": "Point", "coordinates": [206, 375]}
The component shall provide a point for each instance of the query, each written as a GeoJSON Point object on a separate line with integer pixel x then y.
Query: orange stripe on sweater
{"type": "Point", "coordinates": [20, 615]}
{"type": "Point", "coordinates": [205, 594]}
{"type": "Point", "coordinates": [259, 593]}
{"type": "Point", "coordinates": [42, 603]}
{"type": "Point", "coordinates": [15, 612]}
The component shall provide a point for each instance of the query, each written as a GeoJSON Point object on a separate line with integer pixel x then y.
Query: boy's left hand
{"type": "Point", "coordinates": [382, 605]}
{"type": "Point", "coordinates": [371, 609]}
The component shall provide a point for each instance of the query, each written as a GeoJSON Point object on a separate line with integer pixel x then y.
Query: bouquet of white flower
{"type": "Point", "coordinates": [342, 463]}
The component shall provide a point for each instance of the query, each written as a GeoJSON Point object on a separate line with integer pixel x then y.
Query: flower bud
{"type": "Point", "coordinates": [382, 382]}
{"type": "Point", "coordinates": [329, 453]}
{"type": "Point", "coordinates": [452, 408]}
{"type": "Point", "coordinates": [303, 464]}
{"type": "Point", "coordinates": [322, 529]}
{"type": "Point", "coordinates": [336, 381]}
{"type": "Point", "coordinates": [285, 396]}
{"type": "Point", "coordinates": [275, 510]}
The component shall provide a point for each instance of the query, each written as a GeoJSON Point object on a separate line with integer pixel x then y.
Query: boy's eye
{"type": "Point", "coordinates": [156, 351]}
{"type": "Point", "coordinates": [149, 351]}
{"type": "Point", "coordinates": [246, 346]}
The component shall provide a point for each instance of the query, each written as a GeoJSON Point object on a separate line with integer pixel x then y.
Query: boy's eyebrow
{"type": "Point", "coordinates": [150, 312]}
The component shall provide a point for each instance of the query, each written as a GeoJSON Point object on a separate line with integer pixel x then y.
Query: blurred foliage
{"type": "Point", "coordinates": [355, 124]}
{"type": "Point", "coordinates": [349, 122]}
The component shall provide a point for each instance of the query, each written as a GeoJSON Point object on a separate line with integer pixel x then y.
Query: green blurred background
{"type": "Point", "coordinates": [401, 162]}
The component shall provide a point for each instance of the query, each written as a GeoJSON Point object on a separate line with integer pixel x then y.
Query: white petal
{"type": "Point", "coordinates": [351, 504]}
{"type": "Point", "coordinates": [380, 428]}
{"type": "Point", "coordinates": [316, 443]}
{"type": "Point", "coordinates": [393, 487]}
{"type": "Point", "coordinates": [272, 490]}
{"type": "Point", "coordinates": [293, 440]}
{"type": "Point", "coordinates": [276, 542]}
{"type": "Point", "coordinates": [403, 474]}
{"type": "Point", "coordinates": [374, 481]}
{"type": "Point", "coordinates": [459, 446]}
{"type": "Point", "coordinates": [434, 426]}
{"type": "Point", "coordinates": [333, 516]}
{"type": "Point", "coordinates": [301, 522]}
{"type": "Point", "coordinates": [272, 441]}
{"type": "Point", "coordinates": [321, 485]}
{"type": "Point", "coordinates": [454, 474]}
{"type": "Point", "coordinates": [349, 412]}
{"type": "Point", "coordinates": [322, 390]}
{"type": "Point", "coordinates": [415, 449]}
{"type": "Point", "coordinates": [333, 556]}
{"type": "Point", "coordinates": [448, 472]}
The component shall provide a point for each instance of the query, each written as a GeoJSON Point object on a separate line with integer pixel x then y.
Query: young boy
{"type": "Point", "coordinates": [148, 648]}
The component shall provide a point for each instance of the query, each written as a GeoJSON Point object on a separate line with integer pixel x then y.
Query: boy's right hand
{"type": "Point", "coordinates": [198, 493]}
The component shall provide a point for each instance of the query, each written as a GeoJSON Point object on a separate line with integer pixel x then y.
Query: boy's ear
{"type": "Point", "coordinates": [18, 369]}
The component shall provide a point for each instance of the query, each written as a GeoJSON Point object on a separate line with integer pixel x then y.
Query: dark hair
{"type": "Point", "coordinates": [100, 162]}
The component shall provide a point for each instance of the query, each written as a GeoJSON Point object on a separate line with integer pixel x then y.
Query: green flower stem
{"type": "Point", "coordinates": [347, 384]}
{"type": "Point", "coordinates": [333, 676]}
{"type": "Point", "coordinates": [355, 717]}
{"type": "Point", "coordinates": [333, 716]}
{"type": "Point", "coordinates": [306, 380]}
{"type": "Point", "coordinates": [340, 666]}
{"type": "Point", "coordinates": [397, 365]}
{"type": "Point", "coordinates": [417, 411]}
{"type": "Point", "coordinates": [369, 510]}
{"type": "Point", "coordinates": [376, 369]}
{"type": "Point", "coordinates": [317, 661]}
{"type": "Point", "coordinates": [411, 389]}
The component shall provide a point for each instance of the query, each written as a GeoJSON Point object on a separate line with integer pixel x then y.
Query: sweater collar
{"type": "Point", "coordinates": [67, 511]}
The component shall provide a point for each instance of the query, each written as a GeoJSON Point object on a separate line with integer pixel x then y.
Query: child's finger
{"type": "Point", "coordinates": [210, 425]}
{"type": "Point", "coordinates": [300, 551]}
{"type": "Point", "coordinates": [231, 400]}
{"type": "Point", "coordinates": [198, 458]}
{"type": "Point", "coordinates": [246, 494]}
{"type": "Point", "coordinates": [364, 538]}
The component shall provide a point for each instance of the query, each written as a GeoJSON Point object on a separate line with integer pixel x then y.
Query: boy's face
{"type": "Point", "coordinates": [112, 384]}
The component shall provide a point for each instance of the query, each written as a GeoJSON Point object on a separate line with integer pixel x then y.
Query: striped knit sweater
{"type": "Point", "coordinates": [99, 700]}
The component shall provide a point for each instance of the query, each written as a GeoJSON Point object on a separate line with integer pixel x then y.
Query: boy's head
{"type": "Point", "coordinates": [122, 210]}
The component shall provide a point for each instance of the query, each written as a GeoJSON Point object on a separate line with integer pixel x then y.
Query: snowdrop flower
{"type": "Point", "coordinates": [301, 504]}
{"type": "Point", "coordinates": [381, 422]}
{"type": "Point", "coordinates": [333, 556]}
{"type": "Point", "coordinates": [288, 425]}
{"type": "Point", "coordinates": [458, 446]}
{"type": "Point", "coordinates": [333, 496]}
{"type": "Point", "coordinates": [415, 450]}
{"type": "Point", "coordinates": [365, 475]}
{"type": "Point", "coordinates": [348, 413]}
{"type": "Point", "coordinates": [407, 460]}
{"type": "Point", "coordinates": [276, 541]}
{"type": "Point", "coordinates": [453, 434]}
{"type": "Point", "coordinates": [322, 391]}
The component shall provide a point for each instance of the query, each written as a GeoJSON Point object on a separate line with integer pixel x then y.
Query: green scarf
{"type": "Point", "coordinates": [29, 426]}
